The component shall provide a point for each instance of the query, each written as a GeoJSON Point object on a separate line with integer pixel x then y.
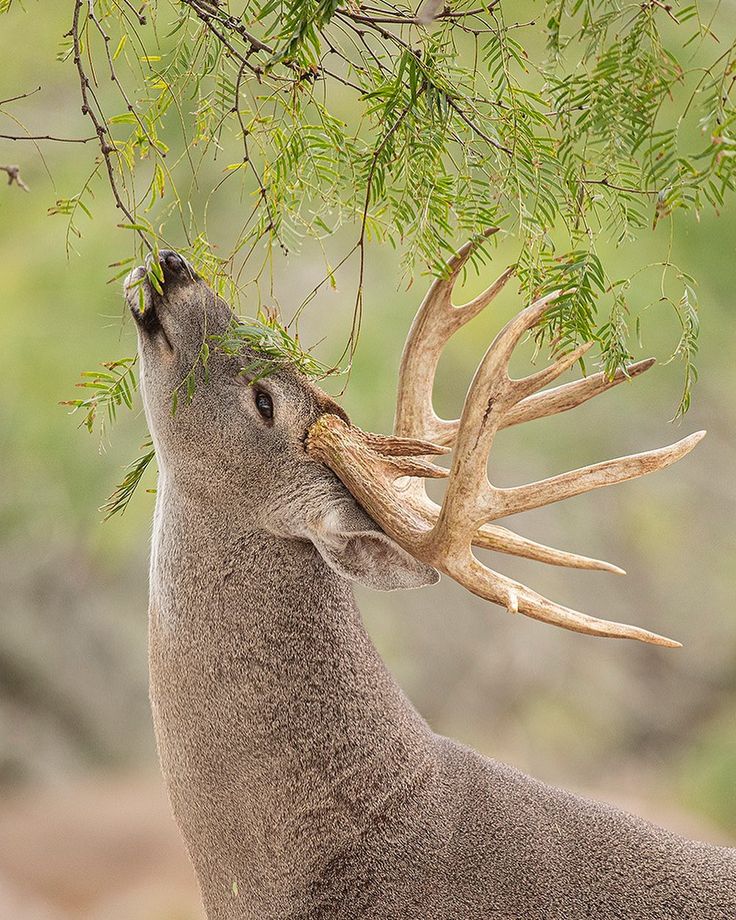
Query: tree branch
{"type": "Point", "coordinates": [20, 96]}
{"type": "Point", "coordinates": [100, 125]}
{"type": "Point", "coordinates": [46, 137]}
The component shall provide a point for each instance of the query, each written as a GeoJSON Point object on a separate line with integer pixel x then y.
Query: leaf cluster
{"type": "Point", "coordinates": [348, 114]}
{"type": "Point", "coordinates": [266, 345]}
{"type": "Point", "coordinates": [120, 498]}
{"type": "Point", "coordinates": [111, 389]}
{"type": "Point", "coordinates": [345, 117]}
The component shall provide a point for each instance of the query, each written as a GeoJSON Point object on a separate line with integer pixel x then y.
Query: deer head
{"type": "Point", "coordinates": [238, 444]}
{"type": "Point", "coordinates": [270, 447]}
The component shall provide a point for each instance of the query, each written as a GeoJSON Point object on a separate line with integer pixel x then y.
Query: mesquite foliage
{"type": "Point", "coordinates": [564, 123]}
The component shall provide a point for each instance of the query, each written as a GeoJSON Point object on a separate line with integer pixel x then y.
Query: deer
{"type": "Point", "coordinates": [304, 782]}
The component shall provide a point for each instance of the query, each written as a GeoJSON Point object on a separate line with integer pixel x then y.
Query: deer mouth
{"type": "Point", "coordinates": [139, 296]}
{"type": "Point", "coordinates": [145, 296]}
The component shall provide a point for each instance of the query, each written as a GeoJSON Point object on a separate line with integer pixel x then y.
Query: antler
{"type": "Point", "coordinates": [373, 468]}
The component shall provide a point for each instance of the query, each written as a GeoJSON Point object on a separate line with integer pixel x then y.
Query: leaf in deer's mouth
{"type": "Point", "coordinates": [139, 294]}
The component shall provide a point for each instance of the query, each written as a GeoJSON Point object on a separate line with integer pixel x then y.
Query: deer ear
{"type": "Point", "coordinates": [354, 546]}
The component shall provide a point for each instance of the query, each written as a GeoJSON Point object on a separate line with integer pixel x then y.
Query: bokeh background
{"type": "Point", "coordinates": [84, 825]}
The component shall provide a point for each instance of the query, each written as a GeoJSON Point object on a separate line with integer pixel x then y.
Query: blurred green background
{"type": "Point", "coordinates": [84, 826]}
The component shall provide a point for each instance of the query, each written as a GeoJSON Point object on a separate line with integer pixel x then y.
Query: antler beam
{"type": "Point", "coordinates": [374, 468]}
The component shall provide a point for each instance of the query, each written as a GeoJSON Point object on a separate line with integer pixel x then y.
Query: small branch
{"type": "Point", "coordinates": [618, 188]}
{"type": "Point", "coordinates": [100, 126]}
{"type": "Point", "coordinates": [207, 11]}
{"type": "Point", "coordinates": [352, 342]}
{"type": "Point", "coordinates": [139, 15]}
{"type": "Point", "coordinates": [204, 8]}
{"type": "Point", "coordinates": [206, 17]}
{"type": "Point", "coordinates": [666, 7]}
{"type": "Point", "coordinates": [472, 125]}
{"type": "Point", "coordinates": [20, 96]}
{"type": "Point", "coordinates": [247, 158]}
{"type": "Point", "coordinates": [46, 137]}
{"type": "Point", "coordinates": [430, 11]}
{"type": "Point", "coordinates": [14, 177]}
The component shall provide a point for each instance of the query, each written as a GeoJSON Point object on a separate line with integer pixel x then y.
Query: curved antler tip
{"type": "Point", "coordinates": [614, 569]}
{"type": "Point", "coordinates": [622, 631]}
{"type": "Point", "coordinates": [665, 642]}
{"type": "Point", "coordinates": [465, 251]}
{"type": "Point", "coordinates": [692, 440]}
{"type": "Point", "coordinates": [640, 366]}
{"type": "Point", "coordinates": [643, 635]}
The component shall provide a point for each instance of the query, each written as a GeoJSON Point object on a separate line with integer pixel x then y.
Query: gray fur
{"type": "Point", "coordinates": [304, 782]}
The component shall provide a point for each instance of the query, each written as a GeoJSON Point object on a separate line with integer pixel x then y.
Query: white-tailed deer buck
{"type": "Point", "coordinates": [305, 783]}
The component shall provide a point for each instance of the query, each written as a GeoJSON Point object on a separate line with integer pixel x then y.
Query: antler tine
{"type": "Point", "coordinates": [517, 598]}
{"type": "Point", "coordinates": [491, 393]}
{"type": "Point", "coordinates": [534, 382]}
{"type": "Point", "coordinates": [503, 502]}
{"type": "Point", "coordinates": [569, 395]}
{"type": "Point", "coordinates": [373, 467]}
{"type": "Point", "coordinates": [558, 399]}
{"type": "Point", "coordinates": [434, 324]}
{"type": "Point", "coordinates": [501, 540]}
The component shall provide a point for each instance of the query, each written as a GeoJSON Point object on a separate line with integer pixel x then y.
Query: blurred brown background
{"type": "Point", "coordinates": [84, 826]}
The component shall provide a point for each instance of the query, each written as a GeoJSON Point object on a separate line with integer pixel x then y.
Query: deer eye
{"type": "Point", "coordinates": [264, 404]}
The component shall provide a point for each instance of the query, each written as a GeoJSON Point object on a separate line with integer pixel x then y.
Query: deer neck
{"type": "Point", "coordinates": [279, 728]}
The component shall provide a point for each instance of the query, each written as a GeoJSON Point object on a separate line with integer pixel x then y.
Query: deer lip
{"type": "Point", "coordinates": [138, 292]}
{"type": "Point", "coordinates": [143, 303]}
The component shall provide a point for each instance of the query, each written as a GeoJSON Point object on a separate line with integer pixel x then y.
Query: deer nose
{"type": "Point", "coordinates": [175, 265]}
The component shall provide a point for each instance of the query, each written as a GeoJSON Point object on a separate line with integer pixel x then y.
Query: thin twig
{"type": "Point", "coordinates": [619, 188]}
{"type": "Point", "coordinates": [360, 245]}
{"type": "Point", "coordinates": [47, 137]}
{"type": "Point", "coordinates": [31, 92]}
{"type": "Point", "coordinates": [273, 227]}
{"type": "Point", "coordinates": [419, 20]}
{"type": "Point", "coordinates": [99, 123]}
{"type": "Point", "coordinates": [202, 8]}
{"type": "Point", "coordinates": [472, 125]}
{"type": "Point", "coordinates": [207, 16]}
